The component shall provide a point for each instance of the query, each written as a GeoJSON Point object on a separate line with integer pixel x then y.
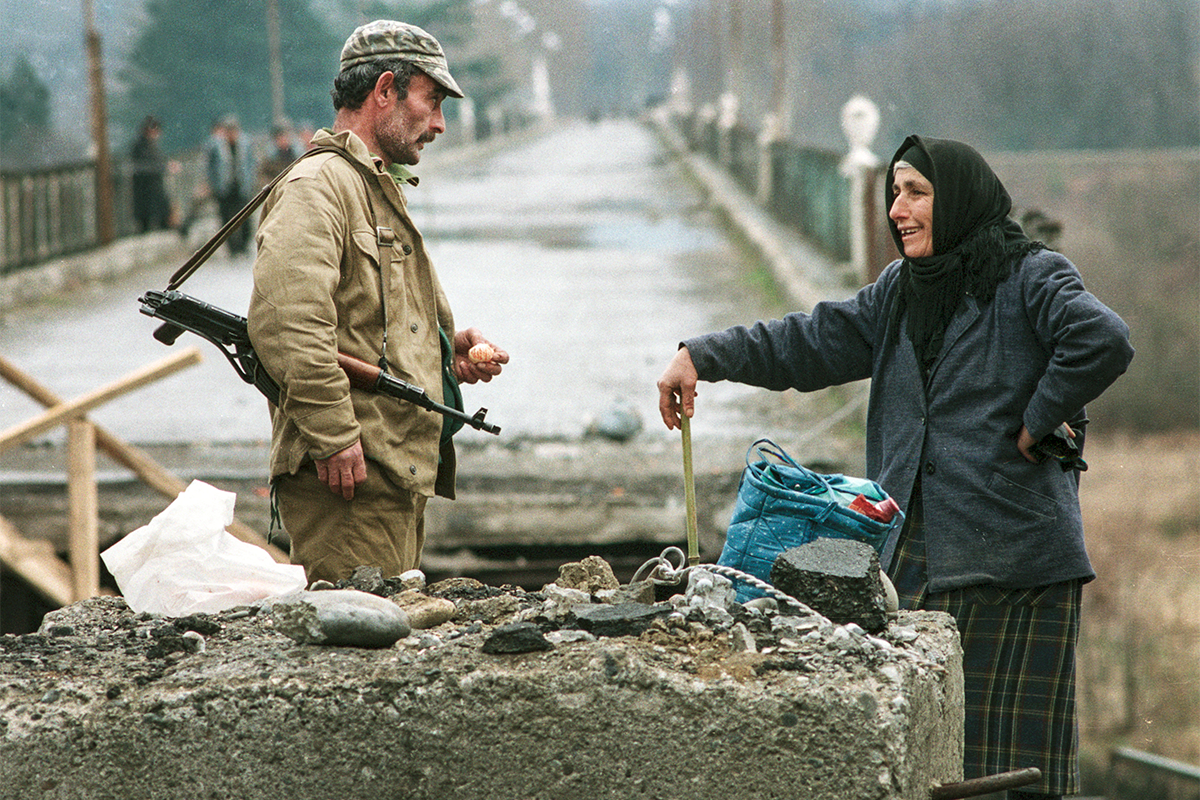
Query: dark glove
{"type": "Point", "coordinates": [1061, 447]}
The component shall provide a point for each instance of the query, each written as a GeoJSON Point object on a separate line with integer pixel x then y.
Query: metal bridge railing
{"type": "Point", "coordinates": [1136, 775]}
{"type": "Point", "coordinates": [812, 190]}
{"type": "Point", "coordinates": [50, 212]}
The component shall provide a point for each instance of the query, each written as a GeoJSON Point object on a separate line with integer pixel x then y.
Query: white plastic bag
{"type": "Point", "coordinates": [184, 562]}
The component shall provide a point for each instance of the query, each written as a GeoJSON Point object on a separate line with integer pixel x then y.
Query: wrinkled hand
{"type": "Point", "coordinates": [677, 389]}
{"type": "Point", "coordinates": [1026, 442]}
{"type": "Point", "coordinates": [468, 371]}
{"type": "Point", "coordinates": [343, 470]}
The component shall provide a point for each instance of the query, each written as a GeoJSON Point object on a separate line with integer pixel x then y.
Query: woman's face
{"type": "Point", "coordinates": [912, 211]}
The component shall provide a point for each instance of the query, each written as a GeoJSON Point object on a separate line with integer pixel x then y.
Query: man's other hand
{"type": "Point", "coordinates": [344, 470]}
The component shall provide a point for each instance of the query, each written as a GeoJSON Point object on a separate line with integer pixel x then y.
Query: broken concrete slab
{"type": "Point", "coordinates": [838, 578]}
{"type": "Point", "coordinates": [517, 637]}
{"type": "Point", "coordinates": [591, 575]}
{"type": "Point", "coordinates": [95, 711]}
{"type": "Point", "coordinates": [622, 619]}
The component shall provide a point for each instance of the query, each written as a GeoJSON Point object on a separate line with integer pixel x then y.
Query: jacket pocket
{"type": "Point", "coordinates": [1024, 502]}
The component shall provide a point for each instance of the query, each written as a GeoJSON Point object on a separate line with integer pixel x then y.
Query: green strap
{"type": "Point", "coordinates": [451, 393]}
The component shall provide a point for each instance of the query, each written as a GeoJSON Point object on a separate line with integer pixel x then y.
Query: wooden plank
{"type": "Point", "coordinates": [133, 458]}
{"type": "Point", "coordinates": [81, 405]}
{"type": "Point", "coordinates": [83, 539]}
{"type": "Point", "coordinates": [37, 563]}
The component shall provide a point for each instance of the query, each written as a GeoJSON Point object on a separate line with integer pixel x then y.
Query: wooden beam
{"type": "Point", "coordinates": [83, 528]}
{"type": "Point", "coordinates": [132, 458]}
{"type": "Point", "coordinates": [37, 563]}
{"type": "Point", "coordinates": [81, 405]}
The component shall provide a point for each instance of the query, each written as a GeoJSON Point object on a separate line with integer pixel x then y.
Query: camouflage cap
{"type": "Point", "coordinates": [386, 38]}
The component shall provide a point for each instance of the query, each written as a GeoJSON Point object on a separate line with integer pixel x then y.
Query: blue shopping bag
{"type": "Point", "coordinates": [781, 505]}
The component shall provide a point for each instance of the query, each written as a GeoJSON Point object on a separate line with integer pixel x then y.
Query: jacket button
{"type": "Point", "coordinates": [406, 249]}
{"type": "Point", "coordinates": [413, 327]}
{"type": "Point", "coordinates": [930, 468]}
{"type": "Point", "coordinates": [412, 468]}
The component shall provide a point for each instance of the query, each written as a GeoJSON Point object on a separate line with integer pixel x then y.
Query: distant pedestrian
{"type": "Point", "coordinates": [284, 150]}
{"type": "Point", "coordinates": [151, 206]}
{"type": "Point", "coordinates": [231, 176]}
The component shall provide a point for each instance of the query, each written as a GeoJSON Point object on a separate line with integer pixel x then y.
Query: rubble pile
{"type": "Point", "coordinates": [585, 689]}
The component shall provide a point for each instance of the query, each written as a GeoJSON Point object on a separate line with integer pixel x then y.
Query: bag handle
{"type": "Point", "coordinates": [766, 447]}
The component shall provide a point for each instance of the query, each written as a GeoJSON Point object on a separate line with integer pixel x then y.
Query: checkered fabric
{"type": "Point", "coordinates": [1018, 666]}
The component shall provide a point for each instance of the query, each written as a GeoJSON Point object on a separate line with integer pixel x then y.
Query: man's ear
{"type": "Point", "coordinates": [383, 84]}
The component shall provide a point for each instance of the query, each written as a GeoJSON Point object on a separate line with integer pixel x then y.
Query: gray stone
{"type": "Point", "coordinates": [193, 642]}
{"type": "Point", "coordinates": [564, 597]}
{"type": "Point", "coordinates": [489, 610]}
{"type": "Point", "coordinates": [424, 611]}
{"type": "Point", "coordinates": [569, 636]}
{"type": "Point", "coordinates": [709, 590]}
{"type": "Point", "coordinates": [590, 575]}
{"type": "Point", "coordinates": [640, 592]}
{"type": "Point", "coordinates": [414, 579]}
{"type": "Point", "coordinates": [339, 617]}
{"type": "Point", "coordinates": [835, 577]}
{"type": "Point", "coordinates": [624, 619]}
{"type": "Point", "coordinates": [620, 423]}
{"type": "Point", "coordinates": [519, 637]}
{"type": "Point", "coordinates": [741, 640]}
{"type": "Point", "coordinates": [365, 579]}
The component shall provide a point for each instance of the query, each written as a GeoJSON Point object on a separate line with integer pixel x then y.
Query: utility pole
{"type": "Point", "coordinates": [105, 231]}
{"type": "Point", "coordinates": [779, 84]}
{"type": "Point", "coordinates": [273, 44]}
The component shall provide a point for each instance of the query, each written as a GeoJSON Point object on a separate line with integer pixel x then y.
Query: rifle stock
{"type": "Point", "coordinates": [180, 312]}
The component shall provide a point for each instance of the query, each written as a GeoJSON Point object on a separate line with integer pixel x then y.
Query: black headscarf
{"type": "Point", "coordinates": [975, 244]}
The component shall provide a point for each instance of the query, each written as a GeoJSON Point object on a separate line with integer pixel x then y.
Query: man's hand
{"type": "Point", "coordinates": [677, 389]}
{"type": "Point", "coordinates": [1026, 442]}
{"type": "Point", "coordinates": [343, 470]}
{"type": "Point", "coordinates": [468, 371]}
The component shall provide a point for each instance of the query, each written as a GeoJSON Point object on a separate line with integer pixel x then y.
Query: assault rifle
{"type": "Point", "coordinates": [180, 312]}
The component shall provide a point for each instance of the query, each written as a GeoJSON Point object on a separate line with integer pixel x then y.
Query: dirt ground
{"type": "Point", "coordinates": [1139, 654]}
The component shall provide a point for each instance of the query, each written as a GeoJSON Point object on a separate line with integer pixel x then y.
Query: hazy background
{"type": "Point", "coordinates": [1004, 74]}
{"type": "Point", "coordinates": [1088, 109]}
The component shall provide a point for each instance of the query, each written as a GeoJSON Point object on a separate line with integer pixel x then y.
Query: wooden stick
{"type": "Point", "coordinates": [689, 490]}
{"type": "Point", "coordinates": [83, 528]}
{"type": "Point", "coordinates": [37, 563]}
{"type": "Point", "coordinates": [132, 458]}
{"type": "Point", "coordinates": [81, 405]}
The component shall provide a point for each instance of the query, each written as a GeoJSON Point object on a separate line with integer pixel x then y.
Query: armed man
{"type": "Point", "coordinates": [341, 267]}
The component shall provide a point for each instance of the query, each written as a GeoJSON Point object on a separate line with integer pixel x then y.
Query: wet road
{"type": "Point", "coordinates": [586, 253]}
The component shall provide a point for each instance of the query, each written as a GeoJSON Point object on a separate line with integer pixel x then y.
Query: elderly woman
{"type": "Point", "coordinates": [980, 345]}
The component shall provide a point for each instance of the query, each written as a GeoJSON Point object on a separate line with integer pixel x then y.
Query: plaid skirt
{"type": "Point", "coordinates": [1018, 666]}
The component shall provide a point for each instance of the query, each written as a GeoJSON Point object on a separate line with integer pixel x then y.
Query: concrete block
{"type": "Point", "coordinates": [259, 717]}
{"type": "Point", "coordinates": [835, 577]}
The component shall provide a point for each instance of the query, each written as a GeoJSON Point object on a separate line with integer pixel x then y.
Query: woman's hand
{"type": "Point", "coordinates": [677, 389]}
{"type": "Point", "coordinates": [1026, 443]}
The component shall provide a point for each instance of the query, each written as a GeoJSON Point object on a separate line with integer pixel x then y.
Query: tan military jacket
{"type": "Point", "coordinates": [318, 284]}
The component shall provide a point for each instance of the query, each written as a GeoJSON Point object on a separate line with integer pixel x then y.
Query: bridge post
{"type": "Point", "coordinates": [860, 123]}
{"type": "Point", "coordinates": [772, 133]}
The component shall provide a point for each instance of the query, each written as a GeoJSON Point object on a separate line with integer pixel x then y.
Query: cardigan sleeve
{"type": "Point", "coordinates": [1088, 343]}
{"type": "Point", "coordinates": [835, 344]}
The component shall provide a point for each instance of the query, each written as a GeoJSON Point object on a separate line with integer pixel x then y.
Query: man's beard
{"type": "Point", "coordinates": [396, 146]}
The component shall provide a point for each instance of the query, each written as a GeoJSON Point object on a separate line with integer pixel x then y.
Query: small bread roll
{"type": "Point", "coordinates": [481, 352]}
